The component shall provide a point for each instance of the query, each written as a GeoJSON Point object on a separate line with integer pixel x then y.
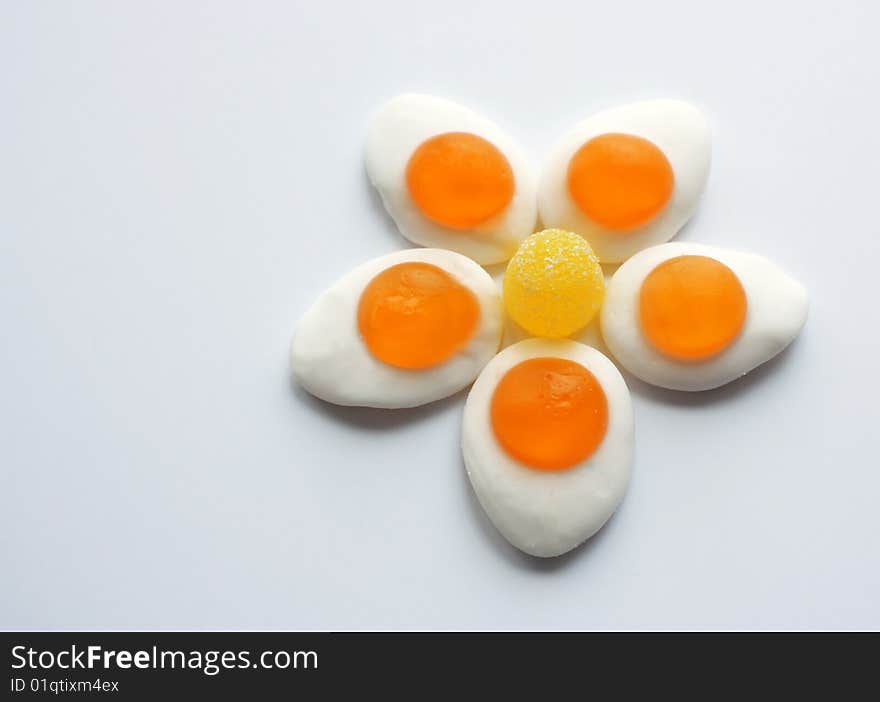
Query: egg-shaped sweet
{"type": "Point", "coordinates": [547, 441]}
{"type": "Point", "coordinates": [401, 330]}
{"type": "Point", "coordinates": [450, 178]}
{"type": "Point", "coordinates": [628, 177]}
{"type": "Point", "coordinates": [687, 316]}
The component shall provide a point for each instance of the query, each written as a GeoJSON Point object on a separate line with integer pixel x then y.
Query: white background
{"type": "Point", "coordinates": [178, 181]}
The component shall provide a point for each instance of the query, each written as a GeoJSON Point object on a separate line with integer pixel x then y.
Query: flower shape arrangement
{"type": "Point", "coordinates": [547, 428]}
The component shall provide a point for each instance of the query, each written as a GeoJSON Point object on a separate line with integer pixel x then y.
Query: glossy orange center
{"type": "Point", "coordinates": [459, 180]}
{"type": "Point", "coordinates": [620, 181]}
{"type": "Point", "coordinates": [549, 413]}
{"type": "Point", "coordinates": [416, 315]}
{"type": "Point", "coordinates": [692, 307]}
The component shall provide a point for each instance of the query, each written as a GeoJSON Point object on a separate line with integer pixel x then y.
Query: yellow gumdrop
{"type": "Point", "coordinates": [554, 284]}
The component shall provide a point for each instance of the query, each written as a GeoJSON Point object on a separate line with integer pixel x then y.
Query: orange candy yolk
{"type": "Point", "coordinates": [620, 181]}
{"type": "Point", "coordinates": [692, 307]}
{"type": "Point", "coordinates": [549, 413]}
{"type": "Point", "coordinates": [416, 315]}
{"type": "Point", "coordinates": [459, 180]}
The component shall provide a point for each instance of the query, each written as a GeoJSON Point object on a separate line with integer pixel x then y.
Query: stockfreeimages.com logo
{"type": "Point", "coordinates": [209, 662]}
